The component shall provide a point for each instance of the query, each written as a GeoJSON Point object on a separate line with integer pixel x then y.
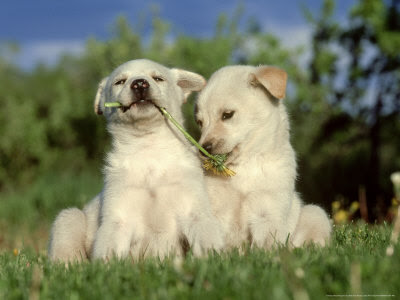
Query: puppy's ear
{"type": "Point", "coordinates": [100, 97]}
{"type": "Point", "coordinates": [273, 79]}
{"type": "Point", "coordinates": [188, 81]}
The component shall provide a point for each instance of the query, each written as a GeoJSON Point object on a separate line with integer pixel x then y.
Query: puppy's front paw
{"type": "Point", "coordinates": [207, 236]}
{"type": "Point", "coordinates": [101, 252]}
{"type": "Point", "coordinates": [213, 241]}
{"type": "Point", "coordinates": [106, 252]}
{"type": "Point", "coordinates": [110, 243]}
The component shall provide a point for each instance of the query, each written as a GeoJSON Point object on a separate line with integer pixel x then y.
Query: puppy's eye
{"type": "Point", "coordinates": [199, 123]}
{"type": "Point", "coordinates": [119, 82]}
{"type": "Point", "coordinates": [158, 78]}
{"type": "Point", "coordinates": [227, 115]}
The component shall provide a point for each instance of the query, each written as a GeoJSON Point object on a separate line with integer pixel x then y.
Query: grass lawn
{"type": "Point", "coordinates": [355, 263]}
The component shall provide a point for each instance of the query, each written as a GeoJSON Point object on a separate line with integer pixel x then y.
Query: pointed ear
{"type": "Point", "coordinates": [188, 81]}
{"type": "Point", "coordinates": [273, 79]}
{"type": "Point", "coordinates": [100, 97]}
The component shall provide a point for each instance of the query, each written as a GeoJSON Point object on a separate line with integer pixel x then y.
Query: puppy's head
{"type": "Point", "coordinates": [239, 108]}
{"type": "Point", "coordinates": [141, 84]}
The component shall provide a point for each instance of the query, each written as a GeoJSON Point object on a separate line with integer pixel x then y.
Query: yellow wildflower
{"type": "Point", "coordinates": [341, 217]}
{"type": "Point", "coordinates": [354, 207]}
{"type": "Point", "coordinates": [335, 206]}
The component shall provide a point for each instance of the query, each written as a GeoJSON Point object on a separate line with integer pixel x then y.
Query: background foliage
{"type": "Point", "coordinates": [344, 106]}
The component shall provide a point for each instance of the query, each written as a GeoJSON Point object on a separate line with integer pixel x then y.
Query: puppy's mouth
{"type": "Point", "coordinates": [231, 156]}
{"type": "Point", "coordinates": [137, 103]}
{"type": "Point", "coordinates": [203, 157]}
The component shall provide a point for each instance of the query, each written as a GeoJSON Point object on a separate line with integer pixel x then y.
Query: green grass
{"type": "Point", "coordinates": [354, 263]}
{"type": "Point", "coordinates": [26, 214]}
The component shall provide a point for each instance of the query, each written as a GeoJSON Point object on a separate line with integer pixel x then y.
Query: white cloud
{"type": "Point", "coordinates": [46, 52]}
{"type": "Point", "coordinates": [293, 35]}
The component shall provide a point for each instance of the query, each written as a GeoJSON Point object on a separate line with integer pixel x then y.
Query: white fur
{"type": "Point", "coordinates": [154, 198]}
{"type": "Point", "coordinates": [68, 236]}
{"type": "Point", "coordinates": [260, 203]}
{"type": "Point", "coordinates": [313, 226]}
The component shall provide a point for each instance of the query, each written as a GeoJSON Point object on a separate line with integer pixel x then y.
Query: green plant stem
{"type": "Point", "coordinates": [187, 135]}
{"type": "Point", "coordinates": [217, 158]}
{"type": "Point", "coordinates": [112, 104]}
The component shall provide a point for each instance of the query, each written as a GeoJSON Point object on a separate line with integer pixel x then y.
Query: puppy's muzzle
{"type": "Point", "coordinates": [208, 146]}
{"type": "Point", "coordinates": [140, 88]}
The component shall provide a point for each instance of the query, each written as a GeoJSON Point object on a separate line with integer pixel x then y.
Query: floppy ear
{"type": "Point", "coordinates": [273, 79]}
{"type": "Point", "coordinates": [100, 97]}
{"type": "Point", "coordinates": [188, 81]}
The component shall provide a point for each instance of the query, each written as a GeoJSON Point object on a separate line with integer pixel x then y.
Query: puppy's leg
{"type": "Point", "coordinates": [166, 205]}
{"type": "Point", "coordinates": [266, 231]}
{"type": "Point", "coordinates": [201, 228]}
{"type": "Point", "coordinates": [313, 226]}
{"type": "Point", "coordinates": [67, 237]}
{"type": "Point", "coordinates": [204, 233]}
{"type": "Point", "coordinates": [91, 211]}
{"type": "Point", "coordinates": [267, 215]}
{"type": "Point", "coordinates": [181, 220]}
{"type": "Point", "coordinates": [113, 238]}
{"type": "Point", "coordinates": [121, 223]}
{"type": "Point", "coordinates": [163, 243]}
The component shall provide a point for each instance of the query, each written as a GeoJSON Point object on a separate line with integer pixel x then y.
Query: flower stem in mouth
{"type": "Point", "coordinates": [112, 104]}
{"type": "Point", "coordinates": [215, 163]}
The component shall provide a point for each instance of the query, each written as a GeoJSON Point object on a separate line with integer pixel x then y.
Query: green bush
{"type": "Point", "coordinates": [48, 125]}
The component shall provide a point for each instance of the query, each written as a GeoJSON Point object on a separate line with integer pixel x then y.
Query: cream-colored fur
{"type": "Point", "coordinates": [73, 232]}
{"type": "Point", "coordinates": [154, 200]}
{"type": "Point", "coordinates": [68, 236]}
{"type": "Point", "coordinates": [313, 226]}
{"type": "Point", "coordinates": [240, 113]}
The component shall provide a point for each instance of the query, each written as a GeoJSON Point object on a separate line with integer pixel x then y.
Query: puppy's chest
{"type": "Point", "coordinates": [229, 205]}
{"type": "Point", "coordinates": [234, 214]}
{"type": "Point", "coordinates": [151, 165]}
{"type": "Point", "coordinates": [261, 175]}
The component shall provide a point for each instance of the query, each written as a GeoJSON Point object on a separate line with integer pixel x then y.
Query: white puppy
{"type": "Point", "coordinates": [154, 201]}
{"type": "Point", "coordinates": [240, 113]}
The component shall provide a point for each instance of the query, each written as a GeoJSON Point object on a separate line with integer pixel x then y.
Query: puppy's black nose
{"type": "Point", "coordinates": [207, 146]}
{"type": "Point", "coordinates": [140, 88]}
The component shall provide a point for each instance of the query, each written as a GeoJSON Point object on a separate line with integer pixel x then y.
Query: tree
{"type": "Point", "coordinates": [359, 66]}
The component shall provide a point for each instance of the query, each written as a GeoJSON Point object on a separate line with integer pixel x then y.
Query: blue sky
{"type": "Point", "coordinates": [46, 28]}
